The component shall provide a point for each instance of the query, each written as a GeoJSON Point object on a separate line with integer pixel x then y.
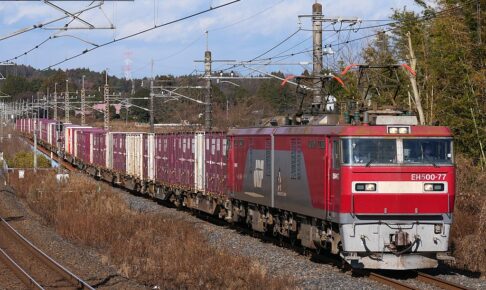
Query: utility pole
{"type": "Point", "coordinates": [83, 103]}
{"type": "Point", "coordinates": [35, 143]}
{"type": "Point", "coordinates": [207, 101]}
{"type": "Point", "coordinates": [128, 101]}
{"type": "Point", "coordinates": [152, 95]}
{"type": "Point", "coordinates": [413, 80]}
{"type": "Point", "coordinates": [2, 105]}
{"type": "Point", "coordinates": [106, 93]}
{"type": "Point", "coordinates": [317, 55]}
{"type": "Point", "coordinates": [47, 103]}
{"type": "Point", "coordinates": [66, 103]}
{"type": "Point", "coordinates": [55, 101]}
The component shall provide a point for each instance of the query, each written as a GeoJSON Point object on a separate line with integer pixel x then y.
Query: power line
{"type": "Point", "coordinates": [52, 36]}
{"type": "Point", "coordinates": [42, 25]}
{"type": "Point", "coordinates": [423, 18]}
{"type": "Point", "coordinates": [247, 18]}
{"type": "Point", "coordinates": [277, 45]}
{"type": "Point", "coordinates": [142, 32]}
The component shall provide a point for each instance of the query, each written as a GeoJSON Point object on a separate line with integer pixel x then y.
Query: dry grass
{"type": "Point", "coordinates": [469, 227]}
{"type": "Point", "coordinates": [12, 146]}
{"type": "Point", "coordinates": [151, 248]}
{"type": "Point", "coordinates": [18, 153]}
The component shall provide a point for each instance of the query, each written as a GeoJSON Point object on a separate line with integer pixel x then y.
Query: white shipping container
{"type": "Point", "coordinates": [91, 145]}
{"type": "Point", "coordinates": [151, 157]}
{"type": "Point", "coordinates": [70, 138]}
{"type": "Point", "coordinates": [199, 164]}
{"type": "Point", "coordinates": [49, 133]}
{"type": "Point", "coordinates": [134, 157]}
{"type": "Point", "coordinates": [109, 150]}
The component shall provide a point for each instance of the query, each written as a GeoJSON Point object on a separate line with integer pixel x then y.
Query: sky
{"type": "Point", "coordinates": [239, 31]}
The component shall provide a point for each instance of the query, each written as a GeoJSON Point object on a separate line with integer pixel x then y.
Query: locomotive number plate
{"type": "Point", "coordinates": [428, 176]}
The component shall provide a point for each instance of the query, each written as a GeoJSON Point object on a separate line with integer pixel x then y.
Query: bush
{"type": "Point", "coordinates": [25, 159]}
{"type": "Point", "coordinates": [469, 225]}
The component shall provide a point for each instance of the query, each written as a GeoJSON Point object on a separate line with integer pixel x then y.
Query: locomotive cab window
{"type": "Point", "coordinates": [427, 150]}
{"type": "Point", "coordinates": [364, 151]}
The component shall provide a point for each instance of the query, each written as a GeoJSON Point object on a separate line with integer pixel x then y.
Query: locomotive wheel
{"type": "Point", "coordinates": [293, 239]}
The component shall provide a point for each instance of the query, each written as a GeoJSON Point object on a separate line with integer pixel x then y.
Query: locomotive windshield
{"type": "Point", "coordinates": [369, 151]}
{"type": "Point", "coordinates": [427, 151]}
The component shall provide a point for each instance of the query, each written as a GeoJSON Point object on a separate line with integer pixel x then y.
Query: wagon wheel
{"type": "Point", "coordinates": [293, 239]}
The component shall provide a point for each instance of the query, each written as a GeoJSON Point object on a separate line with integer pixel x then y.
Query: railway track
{"type": "Point", "coordinates": [423, 277]}
{"type": "Point", "coordinates": [441, 283]}
{"type": "Point", "coordinates": [32, 266]}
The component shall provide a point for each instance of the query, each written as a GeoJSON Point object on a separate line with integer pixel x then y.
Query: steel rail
{"type": "Point", "coordinates": [76, 281]}
{"type": "Point", "coordinates": [441, 283]}
{"type": "Point", "coordinates": [19, 271]}
{"type": "Point", "coordinates": [390, 282]}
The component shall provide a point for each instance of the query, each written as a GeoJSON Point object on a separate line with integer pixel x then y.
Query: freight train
{"type": "Point", "coordinates": [379, 195]}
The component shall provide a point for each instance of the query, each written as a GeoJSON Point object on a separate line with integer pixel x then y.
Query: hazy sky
{"type": "Point", "coordinates": [240, 31]}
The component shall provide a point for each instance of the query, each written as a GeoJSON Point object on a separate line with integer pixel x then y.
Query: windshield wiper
{"type": "Point", "coordinates": [369, 163]}
{"type": "Point", "coordinates": [431, 162]}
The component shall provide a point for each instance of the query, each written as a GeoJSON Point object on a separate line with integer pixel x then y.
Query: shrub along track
{"type": "Point", "coordinates": [32, 266]}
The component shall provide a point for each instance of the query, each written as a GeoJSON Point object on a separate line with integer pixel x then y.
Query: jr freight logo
{"type": "Point", "coordinates": [258, 173]}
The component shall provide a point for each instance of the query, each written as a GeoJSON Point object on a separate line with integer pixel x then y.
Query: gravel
{"type": "Point", "coordinates": [280, 261]}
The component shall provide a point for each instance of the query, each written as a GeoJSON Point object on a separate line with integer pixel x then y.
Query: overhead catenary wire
{"type": "Point", "coordinates": [42, 25]}
{"type": "Point", "coordinates": [143, 31]}
{"type": "Point", "coordinates": [348, 41]}
{"type": "Point", "coordinates": [277, 45]}
{"type": "Point", "coordinates": [246, 18]}
{"type": "Point", "coordinates": [52, 36]}
{"type": "Point", "coordinates": [212, 30]}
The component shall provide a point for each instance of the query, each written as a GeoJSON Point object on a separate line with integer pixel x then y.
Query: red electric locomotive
{"type": "Point", "coordinates": [380, 195]}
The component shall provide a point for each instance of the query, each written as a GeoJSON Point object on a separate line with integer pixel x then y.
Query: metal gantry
{"type": "Point", "coordinates": [83, 103]}
{"type": "Point", "coordinates": [66, 103]}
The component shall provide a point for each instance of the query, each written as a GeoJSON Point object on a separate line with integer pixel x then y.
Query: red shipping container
{"type": "Point", "coordinates": [184, 160]}
{"type": "Point", "coordinates": [99, 148]}
{"type": "Point", "coordinates": [119, 152]}
{"type": "Point", "coordinates": [163, 162]}
{"type": "Point", "coordinates": [215, 162]}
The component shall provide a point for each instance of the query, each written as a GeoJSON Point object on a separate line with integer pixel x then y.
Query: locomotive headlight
{"type": "Point", "coordinates": [403, 130]}
{"type": "Point", "coordinates": [398, 130]}
{"type": "Point", "coordinates": [370, 187]}
{"type": "Point", "coordinates": [433, 187]}
{"type": "Point", "coordinates": [437, 228]}
{"type": "Point", "coordinates": [365, 187]}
